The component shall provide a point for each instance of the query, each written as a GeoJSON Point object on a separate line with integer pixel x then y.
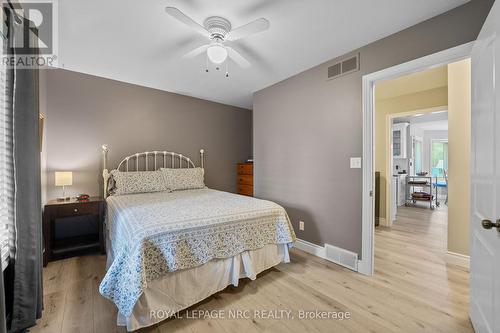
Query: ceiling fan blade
{"type": "Point", "coordinates": [248, 29]}
{"type": "Point", "coordinates": [237, 57]}
{"type": "Point", "coordinates": [176, 13]}
{"type": "Point", "coordinates": [196, 52]}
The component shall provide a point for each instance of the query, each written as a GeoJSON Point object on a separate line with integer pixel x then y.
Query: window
{"type": "Point", "coordinates": [439, 158]}
{"type": "Point", "coordinates": [6, 167]}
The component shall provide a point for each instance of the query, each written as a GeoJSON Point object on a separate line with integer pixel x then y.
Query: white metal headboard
{"type": "Point", "coordinates": [160, 159]}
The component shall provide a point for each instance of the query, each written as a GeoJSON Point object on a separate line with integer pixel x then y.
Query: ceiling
{"type": "Point", "coordinates": [438, 125]}
{"type": "Point", "coordinates": [432, 121]}
{"type": "Point", "coordinates": [413, 83]}
{"type": "Point", "coordinates": [136, 42]}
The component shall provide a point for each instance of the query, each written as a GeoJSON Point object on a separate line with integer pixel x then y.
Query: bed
{"type": "Point", "coordinates": [169, 249]}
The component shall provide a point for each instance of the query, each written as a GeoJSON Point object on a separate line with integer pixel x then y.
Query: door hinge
{"type": "Point", "coordinates": [371, 193]}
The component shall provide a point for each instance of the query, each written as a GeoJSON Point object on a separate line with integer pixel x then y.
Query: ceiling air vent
{"type": "Point", "coordinates": [344, 67]}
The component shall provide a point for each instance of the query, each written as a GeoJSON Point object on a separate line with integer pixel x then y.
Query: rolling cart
{"type": "Point", "coordinates": [421, 182]}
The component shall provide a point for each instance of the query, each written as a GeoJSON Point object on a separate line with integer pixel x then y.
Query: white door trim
{"type": "Point", "coordinates": [365, 266]}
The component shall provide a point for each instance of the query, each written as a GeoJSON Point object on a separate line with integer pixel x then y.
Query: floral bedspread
{"type": "Point", "coordinates": [152, 234]}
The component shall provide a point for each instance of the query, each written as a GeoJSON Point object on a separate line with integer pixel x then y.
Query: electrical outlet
{"type": "Point", "coordinates": [301, 225]}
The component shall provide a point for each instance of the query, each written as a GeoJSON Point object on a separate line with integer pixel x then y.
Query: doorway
{"type": "Point", "coordinates": [366, 264]}
{"type": "Point", "coordinates": [418, 178]}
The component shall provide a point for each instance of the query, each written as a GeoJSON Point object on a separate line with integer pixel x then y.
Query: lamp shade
{"type": "Point", "coordinates": [217, 53]}
{"type": "Point", "coordinates": [64, 178]}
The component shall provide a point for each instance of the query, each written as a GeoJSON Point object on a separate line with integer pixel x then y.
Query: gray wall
{"type": "Point", "coordinates": [306, 128]}
{"type": "Point", "coordinates": [83, 112]}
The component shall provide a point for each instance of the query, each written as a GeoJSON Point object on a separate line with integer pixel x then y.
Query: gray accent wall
{"type": "Point", "coordinates": [306, 128]}
{"type": "Point", "coordinates": [83, 112]}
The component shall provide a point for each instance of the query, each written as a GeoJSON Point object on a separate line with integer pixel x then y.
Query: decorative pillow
{"type": "Point", "coordinates": [137, 182]}
{"type": "Point", "coordinates": [183, 178]}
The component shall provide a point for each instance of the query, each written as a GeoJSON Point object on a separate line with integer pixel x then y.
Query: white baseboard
{"type": "Point", "coordinates": [383, 222]}
{"type": "Point", "coordinates": [331, 253]}
{"type": "Point", "coordinates": [316, 250]}
{"type": "Point", "coordinates": [457, 259]}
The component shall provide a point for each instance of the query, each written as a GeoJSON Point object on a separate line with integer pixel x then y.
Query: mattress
{"type": "Point", "coordinates": [152, 235]}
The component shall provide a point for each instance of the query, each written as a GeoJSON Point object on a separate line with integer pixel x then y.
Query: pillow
{"type": "Point", "coordinates": [183, 178]}
{"type": "Point", "coordinates": [137, 182]}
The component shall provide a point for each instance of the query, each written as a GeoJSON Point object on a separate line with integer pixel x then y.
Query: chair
{"type": "Point", "coordinates": [441, 184]}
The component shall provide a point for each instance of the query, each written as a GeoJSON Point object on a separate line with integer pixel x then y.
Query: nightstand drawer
{"type": "Point", "coordinates": [245, 190]}
{"type": "Point", "coordinates": [245, 180]}
{"type": "Point", "coordinates": [245, 169]}
{"type": "Point", "coordinates": [77, 209]}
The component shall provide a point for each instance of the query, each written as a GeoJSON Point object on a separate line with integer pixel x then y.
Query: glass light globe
{"type": "Point", "coordinates": [217, 53]}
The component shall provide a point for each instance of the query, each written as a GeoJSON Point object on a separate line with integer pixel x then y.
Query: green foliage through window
{"type": "Point", "coordinates": [439, 158]}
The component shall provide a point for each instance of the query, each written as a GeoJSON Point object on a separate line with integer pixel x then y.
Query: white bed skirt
{"type": "Point", "coordinates": [182, 289]}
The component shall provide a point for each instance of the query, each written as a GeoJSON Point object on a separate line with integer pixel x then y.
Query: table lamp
{"type": "Point", "coordinates": [64, 178]}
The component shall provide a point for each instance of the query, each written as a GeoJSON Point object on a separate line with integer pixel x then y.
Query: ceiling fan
{"type": "Point", "coordinates": [219, 31]}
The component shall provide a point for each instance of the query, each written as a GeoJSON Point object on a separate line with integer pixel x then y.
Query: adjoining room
{"type": "Point", "coordinates": [421, 163]}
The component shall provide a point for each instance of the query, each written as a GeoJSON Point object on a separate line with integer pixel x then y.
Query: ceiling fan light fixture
{"type": "Point", "coordinates": [217, 53]}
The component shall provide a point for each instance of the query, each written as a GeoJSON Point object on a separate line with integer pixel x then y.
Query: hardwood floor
{"type": "Point", "coordinates": [413, 290]}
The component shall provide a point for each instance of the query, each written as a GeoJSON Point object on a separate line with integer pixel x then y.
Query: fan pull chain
{"type": "Point", "coordinates": [227, 68]}
{"type": "Point", "coordinates": [206, 64]}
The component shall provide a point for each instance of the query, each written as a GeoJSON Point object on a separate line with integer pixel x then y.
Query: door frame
{"type": "Point", "coordinates": [415, 138]}
{"type": "Point", "coordinates": [366, 264]}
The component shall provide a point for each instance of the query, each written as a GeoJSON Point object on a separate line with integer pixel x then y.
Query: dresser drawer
{"type": "Point", "coordinates": [77, 209]}
{"type": "Point", "coordinates": [245, 190]}
{"type": "Point", "coordinates": [245, 180]}
{"type": "Point", "coordinates": [245, 169]}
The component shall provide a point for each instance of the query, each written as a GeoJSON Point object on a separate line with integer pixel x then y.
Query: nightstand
{"type": "Point", "coordinates": [72, 228]}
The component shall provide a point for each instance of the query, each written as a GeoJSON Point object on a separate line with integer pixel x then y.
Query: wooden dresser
{"type": "Point", "coordinates": [245, 179]}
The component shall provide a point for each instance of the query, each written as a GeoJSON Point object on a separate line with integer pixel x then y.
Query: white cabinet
{"type": "Point", "coordinates": [394, 201]}
{"type": "Point", "coordinates": [401, 190]}
{"type": "Point", "coordinates": [399, 140]}
{"type": "Point", "coordinates": [398, 194]}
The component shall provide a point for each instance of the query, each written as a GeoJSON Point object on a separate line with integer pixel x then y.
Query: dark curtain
{"type": "Point", "coordinates": [27, 285]}
{"type": "Point", "coordinates": [3, 312]}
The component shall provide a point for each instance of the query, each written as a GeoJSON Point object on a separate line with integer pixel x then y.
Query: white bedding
{"type": "Point", "coordinates": [181, 289]}
{"type": "Point", "coordinates": [154, 234]}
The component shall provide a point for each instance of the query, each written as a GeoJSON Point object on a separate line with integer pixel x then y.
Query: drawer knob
{"type": "Point", "coordinates": [75, 210]}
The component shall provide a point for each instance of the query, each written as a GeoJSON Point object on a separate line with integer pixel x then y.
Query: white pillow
{"type": "Point", "coordinates": [137, 182]}
{"type": "Point", "coordinates": [183, 178]}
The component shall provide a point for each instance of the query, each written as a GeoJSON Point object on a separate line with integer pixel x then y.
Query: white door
{"type": "Point", "coordinates": [485, 181]}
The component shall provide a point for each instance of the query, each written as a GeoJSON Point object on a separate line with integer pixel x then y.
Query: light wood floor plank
{"type": "Point", "coordinates": [413, 290]}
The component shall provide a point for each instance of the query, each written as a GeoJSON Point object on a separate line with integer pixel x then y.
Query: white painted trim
{"type": "Point", "coordinates": [365, 266]}
{"type": "Point", "coordinates": [457, 259]}
{"type": "Point", "coordinates": [383, 222]}
{"type": "Point", "coordinates": [315, 250]}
